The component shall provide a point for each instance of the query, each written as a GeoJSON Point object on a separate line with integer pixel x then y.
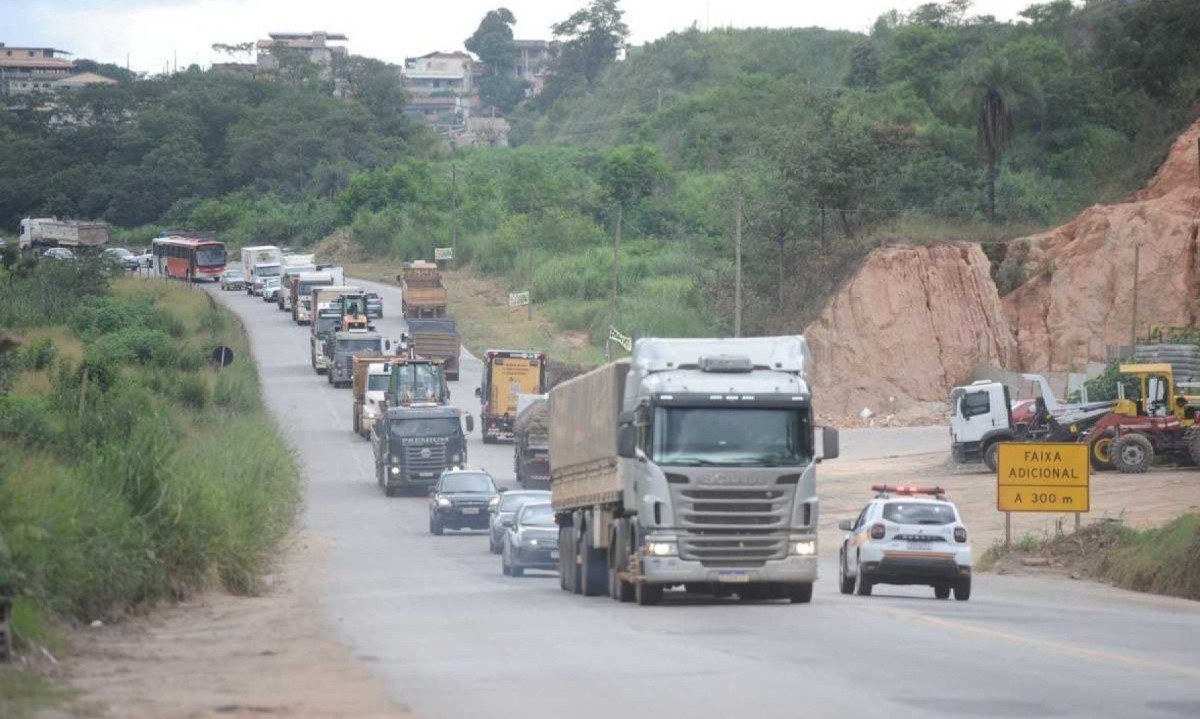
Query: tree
{"type": "Point", "coordinates": [629, 174]}
{"type": "Point", "coordinates": [376, 85]}
{"type": "Point", "coordinates": [589, 40]}
{"type": "Point", "coordinates": [234, 50]}
{"type": "Point", "coordinates": [865, 68]}
{"type": "Point", "coordinates": [1149, 45]}
{"type": "Point", "coordinates": [493, 44]}
{"type": "Point", "coordinates": [994, 87]}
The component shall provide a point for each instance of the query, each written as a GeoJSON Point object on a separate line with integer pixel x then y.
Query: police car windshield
{"type": "Point", "coordinates": [918, 513]}
{"type": "Point", "coordinates": [717, 436]}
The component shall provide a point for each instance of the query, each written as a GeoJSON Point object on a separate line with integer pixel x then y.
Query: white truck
{"type": "Point", "coordinates": [694, 464]}
{"type": "Point", "coordinates": [42, 233]}
{"type": "Point", "coordinates": [267, 255]}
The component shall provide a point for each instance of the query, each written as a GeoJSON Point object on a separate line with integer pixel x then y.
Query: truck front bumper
{"type": "Point", "coordinates": [674, 570]}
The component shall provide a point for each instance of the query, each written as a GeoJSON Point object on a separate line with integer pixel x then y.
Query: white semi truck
{"type": "Point", "coordinates": [692, 464]}
{"type": "Point", "coordinates": [42, 233]}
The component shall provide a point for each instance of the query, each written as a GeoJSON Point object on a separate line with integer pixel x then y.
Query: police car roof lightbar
{"type": "Point", "coordinates": [889, 489]}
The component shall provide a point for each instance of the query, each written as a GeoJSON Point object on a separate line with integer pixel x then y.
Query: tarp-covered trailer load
{"type": "Point", "coordinates": [531, 433]}
{"type": "Point", "coordinates": [437, 339]}
{"type": "Point", "coordinates": [422, 293]}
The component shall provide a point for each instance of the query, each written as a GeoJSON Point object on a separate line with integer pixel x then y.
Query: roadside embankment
{"type": "Point", "coordinates": [131, 469]}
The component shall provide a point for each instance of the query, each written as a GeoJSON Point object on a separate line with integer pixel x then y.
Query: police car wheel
{"type": "Point", "coordinates": [962, 590]}
{"type": "Point", "coordinates": [941, 591]}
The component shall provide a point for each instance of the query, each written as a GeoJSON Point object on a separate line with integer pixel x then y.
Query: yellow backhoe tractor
{"type": "Point", "coordinates": [1159, 420]}
{"type": "Point", "coordinates": [354, 312]}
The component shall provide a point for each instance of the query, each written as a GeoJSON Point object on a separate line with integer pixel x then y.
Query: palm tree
{"type": "Point", "coordinates": [995, 88]}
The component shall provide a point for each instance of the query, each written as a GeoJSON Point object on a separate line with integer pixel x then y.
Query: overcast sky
{"type": "Point", "coordinates": [154, 32]}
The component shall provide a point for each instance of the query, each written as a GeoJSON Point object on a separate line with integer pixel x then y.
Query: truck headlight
{"type": "Point", "coordinates": [456, 458]}
{"type": "Point", "coordinates": [395, 470]}
{"type": "Point", "coordinates": [443, 502]}
{"type": "Point", "coordinates": [662, 549]}
{"type": "Point", "coordinates": [533, 542]}
{"type": "Point", "coordinates": [806, 548]}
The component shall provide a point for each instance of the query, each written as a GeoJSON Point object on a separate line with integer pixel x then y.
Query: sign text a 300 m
{"type": "Point", "coordinates": [1045, 477]}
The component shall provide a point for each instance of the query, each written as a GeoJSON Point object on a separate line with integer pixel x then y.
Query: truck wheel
{"type": "Point", "coordinates": [1100, 453]}
{"type": "Point", "coordinates": [991, 456]}
{"type": "Point", "coordinates": [593, 566]}
{"type": "Point", "coordinates": [564, 555]}
{"type": "Point", "coordinates": [962, 590]}
{"type": "Point", "coordinates": [800, 593]}
{"type": "Point", "coordinates": [1132, 453]}
{"type": "Point", "coordinates": [435, 526]}
{"type": "Point", "coordinates": [517, 570]}
{"type": "Point", "coordinates": [357, 424]}
{"type": "Point", "coordinates": [1193, 446]}
{"type": "Point", "coordinates": [647, 595]}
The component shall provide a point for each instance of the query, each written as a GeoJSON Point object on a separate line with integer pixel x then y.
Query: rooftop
{"type": "Point", "coordinates": [307, 35]}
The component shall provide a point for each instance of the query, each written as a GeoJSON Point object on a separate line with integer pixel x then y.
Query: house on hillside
{"type": "Point", "coordinates": [316, 46]}
{"type": "Point", "coordinates": [83, 79]}
{"type": "Point", "coordinates": [25, 70]}
{"type": "Point", "coordinates": [439, 73]}
{"type": "Point", "coordinates": [533, 61]}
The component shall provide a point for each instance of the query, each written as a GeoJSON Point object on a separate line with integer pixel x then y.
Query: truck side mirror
{"type": "Point", "coordinates": [479, 392]}
{"type": "Point", "coordinates": [470, 424]}
{"type": "Point", "coordinates": [627, 441]}
{"type": "Point", "coordinates": [829, 443]}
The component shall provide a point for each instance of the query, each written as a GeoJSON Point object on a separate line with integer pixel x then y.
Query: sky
{"type": "Point", "coordinates": [155, 34]}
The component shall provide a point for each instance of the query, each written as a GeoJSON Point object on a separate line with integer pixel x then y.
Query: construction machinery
{"type": "Point", "coordinates": [353, 312]}
{"type": "Point", "coordinates": [1160, 420]}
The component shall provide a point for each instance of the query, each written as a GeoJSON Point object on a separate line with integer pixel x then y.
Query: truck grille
{"type": "Point", "coordinates": [419, 464]}
{"type": "Point", "coordinates": [733, 526]}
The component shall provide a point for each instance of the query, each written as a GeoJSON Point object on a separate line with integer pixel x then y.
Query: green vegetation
{"type": "Point", "coordinates": [1162, 560]}
{"type": "Point", "coordinates": [131, 470]}
{"type": "Point", "coordinates": [938, 124]}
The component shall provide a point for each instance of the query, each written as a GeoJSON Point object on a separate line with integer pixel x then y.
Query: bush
{"type": "Point", "coordinates": [134, 346]}
{"type": "Point", "coordinates": [29, 421]}
{"type": "Point", "coordinates": [38, 355]}
{"type": "Point", "coordinates": [191, 390]}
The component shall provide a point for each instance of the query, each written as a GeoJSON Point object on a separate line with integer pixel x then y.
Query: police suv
{"type": "Point", "coordinates": [906, 535]}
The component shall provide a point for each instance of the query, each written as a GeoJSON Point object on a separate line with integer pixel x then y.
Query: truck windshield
{"type": "Point", "coordinates": [698, 436]}
{"type": "Point", "coordinates": [306, 288]}
{"type": "Point", "coordinates": [268, 270]}
{"type": "Point", "coordinates": [325, 324]}
{"type": "Point", "coordinates": [429, 427]}
{"type": "Point", "coordinates": [377, 383]}
{"type": "Point", "coordinates": [359, 345]}
{"type": "Point", "coordinates": [210, 256]}
{"type": "Point", "coordinates": [417, 383]}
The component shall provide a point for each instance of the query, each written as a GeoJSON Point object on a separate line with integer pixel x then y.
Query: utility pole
{"type": "Point", "coordinates": [737, 251]}
{"type": "Point", "coordinates": [530, 286]}
{"type": "Point", "coordinates": [1133, 325]}
{"type": "Point", "coordinates": [453, 215]}
{"type": "Point", "coordinates": [616, 273]}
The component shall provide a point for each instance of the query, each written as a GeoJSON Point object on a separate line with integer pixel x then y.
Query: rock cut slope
{"type": "Point", "coordinates": [913, 321]}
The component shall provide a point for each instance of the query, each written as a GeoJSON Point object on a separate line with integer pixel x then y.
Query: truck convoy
{"type": "Point", "coordinates": [506, 374]}
{"type": "Point", "coordinates": [372, 373]}
{"type": "Point", "coordinates": [291, 268]}
{"type": "Point", "coordinates": [41, 233]}
{"type": "Point", "coordinates": [531, 437]}
{"type": "Point", "coordinates": [437, 339]}
{"type": "Point", "coordinates": [422, 292]}
{"type": "Point", "coordinates": [693, 463]}
{"type": "Point", "coordinates": [269, 257]}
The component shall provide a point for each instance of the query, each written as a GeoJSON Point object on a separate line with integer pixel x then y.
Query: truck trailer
{"type": "Point", "coordinates": [691, 464]}
{"type": "Point", "coordinates": [436, 339]}
{"type": "Point", "coordinates": [506, 375]}
{"type": "Point", "coordinates": [42, 233]}
{"type": "Point", "coordinates": [422, 293]}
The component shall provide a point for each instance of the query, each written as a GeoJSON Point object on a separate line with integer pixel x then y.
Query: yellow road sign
{"type": "Point", "coordinates": [1044, 477]}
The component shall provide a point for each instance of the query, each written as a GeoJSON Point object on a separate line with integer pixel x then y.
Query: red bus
{"type": "Point", "coordinates": [187, 259]}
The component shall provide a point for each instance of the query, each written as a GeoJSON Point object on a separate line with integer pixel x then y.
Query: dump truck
{"type": "Point", "coordinates": [372, 373]}
{"type": "Point", "coordinates": [507, 374]}
{"type": "Point", "coordinates": [422, 293]}
{"type": "Point", "coordinates": [531, 442]}
{"type": "Point", "coordinates": [691, 464]}
{"type": "Point", "coordinates": [413, 445]}
{"type": "Point", "coordinates": [42, 233]}
{"type": "Point", "coordinates": [436, 339]}
{"type": "Point", "coordinates": [326, 318]}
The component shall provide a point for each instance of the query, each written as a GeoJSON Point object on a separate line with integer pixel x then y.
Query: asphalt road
{"type": "Point", "coordinates": [454, 638]}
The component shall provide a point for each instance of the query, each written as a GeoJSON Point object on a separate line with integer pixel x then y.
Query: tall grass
{"type": "Point", "coordinates": [158, 477]}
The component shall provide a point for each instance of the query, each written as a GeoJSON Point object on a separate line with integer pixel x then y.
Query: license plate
{"type": "Point", "coordinates": [919, 546]}
{"type": "Point", "coordinates": [470, 510]}
{"type": "Point", "coordinates": [733, 577]}
{"type": "Point", "coordinates": [554, 554]}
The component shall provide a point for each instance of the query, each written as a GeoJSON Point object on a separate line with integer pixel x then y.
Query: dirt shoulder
{"type": "Point", "coordinates": [220, 655]}
{"type": "Point", "coordinates": [1139, 501]}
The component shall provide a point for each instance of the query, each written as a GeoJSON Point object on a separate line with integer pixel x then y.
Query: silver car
{"type": "Point", "coordinates": [532, 541]}
{"type": "Point", "coordinates": [502, 515]}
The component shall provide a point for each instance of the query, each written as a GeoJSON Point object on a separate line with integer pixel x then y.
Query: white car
{"type": "Point", "coordinates": [270, 287]}
{"type": "Point", "coordinates": [906, 535]}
